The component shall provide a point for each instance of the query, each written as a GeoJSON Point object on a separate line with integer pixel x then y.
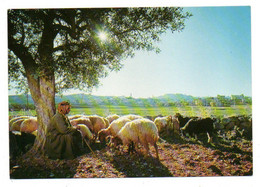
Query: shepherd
{"type": "Point", "coordinates": [63, 141]}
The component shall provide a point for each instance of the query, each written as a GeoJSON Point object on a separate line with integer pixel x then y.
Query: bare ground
{"type": "Point", "coordinates": [180, 157]}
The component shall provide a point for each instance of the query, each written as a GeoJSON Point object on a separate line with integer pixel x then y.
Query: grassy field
{"type": "Point", "coordinates": [105, 110]}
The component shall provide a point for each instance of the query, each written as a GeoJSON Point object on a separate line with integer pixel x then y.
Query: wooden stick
{"type": "Point", "coordinates": [89, 147]}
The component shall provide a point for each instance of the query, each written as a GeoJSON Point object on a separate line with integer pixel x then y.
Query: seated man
{"type": "Point", "coordinates": [63, 141]}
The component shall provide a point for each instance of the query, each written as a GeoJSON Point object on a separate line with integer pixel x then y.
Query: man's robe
{"type": "Point", "coordinates": [62, 140]}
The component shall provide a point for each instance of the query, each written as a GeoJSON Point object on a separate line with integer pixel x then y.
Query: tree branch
{"type": "Point", "coordinates": [28, 63]}
{"type": "Point", "coordinates": [22, 53]}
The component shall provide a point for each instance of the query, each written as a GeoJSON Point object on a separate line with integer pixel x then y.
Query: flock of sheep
{"type": "Point", "coordinates": [127, 130]}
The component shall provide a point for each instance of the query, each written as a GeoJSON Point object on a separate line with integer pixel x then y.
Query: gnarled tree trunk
{"type": "Point", "coordinates": [43, 94]}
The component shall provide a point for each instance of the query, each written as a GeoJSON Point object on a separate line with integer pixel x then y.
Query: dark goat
{"type": "Point", "coordinates": [199, 125]}
{"type": "Point", "coordinates": [183, 120]}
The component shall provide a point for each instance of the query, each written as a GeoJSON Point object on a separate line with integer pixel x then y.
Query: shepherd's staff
{"type": "Point", "coordinates": [89, 146]}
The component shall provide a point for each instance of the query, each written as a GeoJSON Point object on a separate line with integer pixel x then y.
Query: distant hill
{"type": "Point", "coordinates": [85, 99]}
{"type": "Point", "coordinates": [165, 100]}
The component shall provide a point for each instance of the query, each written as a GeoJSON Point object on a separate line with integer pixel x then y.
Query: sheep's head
{"type": "Point", "coordinates": [102, 134]}
{"type": "Point", "coordinates": [116, 141]}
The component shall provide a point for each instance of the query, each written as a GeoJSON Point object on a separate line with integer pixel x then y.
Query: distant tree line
{"type": "Point", "coordinates": [18, 107]}
{"type": "Point", "coordinates": [82, 101]}
{"type": "Point", "coordinates": [219, 101]}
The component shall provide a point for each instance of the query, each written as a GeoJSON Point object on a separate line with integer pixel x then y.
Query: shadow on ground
{"type": "Point", "coordinates": [136, 165]}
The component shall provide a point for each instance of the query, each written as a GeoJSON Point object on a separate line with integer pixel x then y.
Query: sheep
{"type": "Point", "coordinates": [112, 117]}
{"type": "Point", "coordinates": [174, 125]}
{"type": "Point", "coordinates": [94, 123]}
{"type": "Point", "coordinates": [82, 120]}
{"type": "Point", "coordinates": [197, 126]}
{"type": "Point", "coordinates": [85, 132]}
{"type": "Point", "coordinates": [113, 128]}
{"type": "Point", "coordinates": [142, 131]}
{"type": "Point", "coordinates": [75, 117]}
{"type": "Point", "coordinates": [14, 120]}
{"type": "Point", "coordinates": [16, 125]}
{"type": "Point", "coordinates": [167, 123]}
{"type": "Point", "coordinates": [132, 116]}
{"type": "Point", "coordinates": [18, 117]}
{"type": "Point", "coordinates": [106, 122]}
{"type": "Point", "coordinates": [29, 125]}
{"type": "Point", "coordinates": [160, 123]}
{"type": "Point", "coordinates": [98, 124]}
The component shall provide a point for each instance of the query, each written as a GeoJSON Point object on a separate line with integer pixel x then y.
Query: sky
{"type": "Point", "coordinates": [210, 57]}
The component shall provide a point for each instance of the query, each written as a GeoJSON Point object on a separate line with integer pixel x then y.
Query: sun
{"type": "Point", "coordinates": [102, 35]}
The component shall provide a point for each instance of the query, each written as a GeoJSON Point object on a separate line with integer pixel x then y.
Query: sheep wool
{"type": "Point", "coordinates": [116, 125]}
{"type": "Point", "coordinates": [160, 123]}
{"type": "Point", "coordinates": [132, 116]}
{"type": "Point", "coordinates": [106, 122]}
{"type": "Point", "coordinates": [75, 117]}
{"type": "Point", "coordinates": [29, 125]}
{"type": "Point", "coordinates": [112, 117]}
{"type": "Point", "coordinates": [82, 120]}
{"type": "Point", "coordinates": [167, 123]}
{"type": "Point", "coordinates": [113, 128]}
{"type": "Point", "coordinates": [98, 123]}
{"type": "Point", "coordinates": [16, 125]}
{"type": "Point", "coordinates": [17, 118]}
{"type": "Point", "coordinates": [85, 132]}
{"type": "Point", "coordinates": [176, 126]}
{"type": "Point", "coordinates": [142, 131]}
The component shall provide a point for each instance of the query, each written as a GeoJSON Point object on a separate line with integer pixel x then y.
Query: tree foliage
{"type": "Point", "coordinates": [67, 42]}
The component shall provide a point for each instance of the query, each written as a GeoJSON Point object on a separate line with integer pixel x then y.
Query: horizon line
{"type": "Point", "coordinates": [138, 97]}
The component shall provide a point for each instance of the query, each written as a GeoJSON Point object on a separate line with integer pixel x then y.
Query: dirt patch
{"type": "Point", "coordinates": [178, 158]}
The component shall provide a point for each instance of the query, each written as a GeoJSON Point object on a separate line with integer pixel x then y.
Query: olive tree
{"type": "Point", "coordinates": [55, 49]}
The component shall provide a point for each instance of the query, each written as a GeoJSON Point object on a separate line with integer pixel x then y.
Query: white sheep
{"type": "Point", "coordinates": [112, 117]}
{"type": "Point", "coordinates": [82, 120]}
{"type": "Point", "coordinates": [106, 122]}
{"type": "Point", "coordinates": [85, 132]}
{"type": "Point", "coordinates": [98, 124]}
{"type": "Point", "coordinates": [112, 129]}
{"type": "Point", "coordinates": [116, 126]}
{"type": "Point", "coordinates": [174, 125]}
{"type": "Point", "coordinates": [168, 124]}
{"type": "Point", "coordinates": [14, 123]}
{"type": "Point", "coordinates": [29, 125]}
{"type": "Point", "coordinates": [18, 117]}
{"type": "Point", "coordinates": [161, 123]}
{"type": "Point", "coordinates": [142, 131]}
{"type": "Point", "coordinates": [94, 123]}
{"type": "Point", "coordinates": [75, 117]}
{"type": "Point", "coordinates": [132, 116]}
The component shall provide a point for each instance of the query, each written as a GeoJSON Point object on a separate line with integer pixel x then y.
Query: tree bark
{"type": "Point", "coordinates": [44, 99]}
